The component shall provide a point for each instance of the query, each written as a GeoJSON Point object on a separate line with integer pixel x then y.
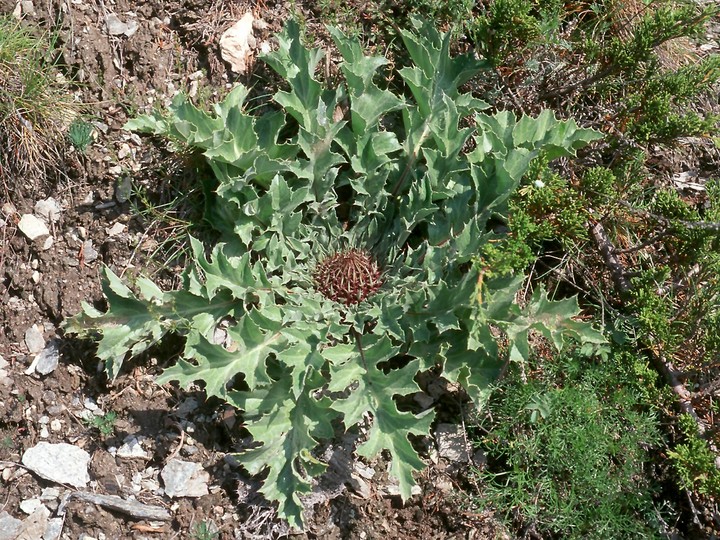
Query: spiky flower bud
{"type": "Point", "coordinates": [347, 277]}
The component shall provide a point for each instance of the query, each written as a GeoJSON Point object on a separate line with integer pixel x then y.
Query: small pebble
{"type": "Point", "coordinates": [30, 505]}
{"type": "Point", "coordinates": [49, 493]}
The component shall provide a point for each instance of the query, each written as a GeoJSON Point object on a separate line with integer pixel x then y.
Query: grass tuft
{"type": "Point", "coordinates": [36, 103]}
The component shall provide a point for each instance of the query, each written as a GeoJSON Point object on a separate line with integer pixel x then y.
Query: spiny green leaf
{"type": "Point", "coordinates": [130, 327]}
{"type": "Point", "coordinates": [373, 391]}
{"type": "Point", "coordinates": [251, 342]}
{"type": "Point", "coordinates": [287, 430]}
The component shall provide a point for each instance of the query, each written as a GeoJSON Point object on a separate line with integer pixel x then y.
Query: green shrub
{"type": "Point", "coordinates": [568, 450]}
{"type": "Point", "coordinates": [694, 461]}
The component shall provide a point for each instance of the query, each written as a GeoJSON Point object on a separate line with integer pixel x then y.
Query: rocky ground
{"type": "Point", "coordinates": [82, 457]}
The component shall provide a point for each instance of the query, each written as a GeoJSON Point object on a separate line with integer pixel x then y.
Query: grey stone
{"type": "Point", "coordinates": [117, 27]}
{"type": "Point", "coordinates": [34, 339]}
{"type": "Point", "coordinates": [47, 361]}
{"type": "Point", "coordinates": [9, 526]}
{"type": "Point", "coordinates": [185, 479]}
{"type": "Point", "coordinates": [451, 443]}
{"type": "Point", "coordinates": [62, 463]}
{"type": "Point", "coordinates": [90, 254]}
{"type": "Point", "coordinates": [132, 448]}
{"type": "Point", "coordinates": [32, 226]}
{"type": "Point", "coordinates": [49, 209]}
{"type": "Point", "coordinates": [54, 528]}
{"type": "Point", "coordinates": [35, 524]}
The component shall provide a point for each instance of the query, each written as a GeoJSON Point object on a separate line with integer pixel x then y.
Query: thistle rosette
{"type": "Point", "coordinates": [348, 241]}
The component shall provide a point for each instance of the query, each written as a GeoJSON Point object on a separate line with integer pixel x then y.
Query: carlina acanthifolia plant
{"type": "Point", "coordinates": [347, 242]}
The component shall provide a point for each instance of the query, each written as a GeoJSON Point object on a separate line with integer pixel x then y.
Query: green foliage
{"type": "Point", "coordinates": [204, 531]}
{"type": "Point", "coordinates": [505, 29]}
{"type": "Point", "coordinates": [694, 461]}
{"type": "Point", "coordinates": [386, 184]}
{"type": "Point", "coordinates": [80, 134]}
{"type": "Point", "coordinates": [567, 449]}
{"type": "Point", "coordinates": [627, 58]}
{"type": "Point", "coordinates": [104, 423]}
{"type": "Point", "coordinates": [653, 307]}
{"type": "Point", "coordinates": [545, 210]}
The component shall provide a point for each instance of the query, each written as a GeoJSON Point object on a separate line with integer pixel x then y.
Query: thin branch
{"type": "Point", "coordinates": [607, 250]}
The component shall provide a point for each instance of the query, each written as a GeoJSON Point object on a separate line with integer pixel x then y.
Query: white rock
{"type": "Point", "coordinates": [27, 7]}
{"type": "Point", "coordinates": [90, 404]}
{"type": "Point", "coordinates": [34, 339]}
{"type": "Point", "coordinates": [8, 209]}
{"type": "Point", "coordinates": [44, 433]}
{"type": "Point", "coordinates": [4, 379]}
{"type": "Point", "coordinates": [55, 425]}
{"type": "Point", "coordinates": [30, 505]}
{"type": "Point", "coordinates": [360, 486]}
{"type": "Point", "coordinates": [62, 463]}
{"type": "Point", "coordinates": [32, 227]}
{"type": "Point", "coordinates": [117, 228]}
{"type": "Point", "coordinates": [185, 479]}
{"type": "Point", "coordinates": [116, 27]}
{"type": "Point", "coordinates": [237, 42]}
{"type": "Point", "coordinates": [394, 490]}
{"type": "Point", "coordinates": [47, 244]}
{"type": "Point", "coordinates": [49, 209]}
{"type": "Point", "coordinates": [9, 526]}
{"type": "Point", "coordinates": [54, 528]}
{"type": "Point", "coordinates": [49, 494]}
{"type": "Point", "coordinates": [451, 443]}
{"type": "Point", "coordinates": [124, 151]}
{"type": "Point", "coordinates": [47, 361]}
{"type": "Point", "coordinates": [132, 448]}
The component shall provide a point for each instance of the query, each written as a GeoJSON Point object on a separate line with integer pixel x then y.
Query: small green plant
{"type": "Point", "coordinates": [567, 449]}
{"type": "Point", "coordinates": [7, 442]}
{"type": "Point", "coordinates": [104, 423]}
{"type": "Point", "coordinates": [345, 266]}
{"type": "Point", "coordinates": [80, 134]}
{"type": "Point", "coordinates": [204, 531]}
{"type": "Point", "coordinates": [694, 461]}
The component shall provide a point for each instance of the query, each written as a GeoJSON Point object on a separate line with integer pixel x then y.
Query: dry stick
{"type": "Point", "coordinates": [667, 369]}
{"type": "Point", "coordinates": [607, 250]}
{"type": "Point", "coordinates": [131, 508]}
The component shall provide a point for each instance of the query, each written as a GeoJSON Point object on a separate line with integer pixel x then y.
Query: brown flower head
{"type": "Point", "coordinates": [347, 277]}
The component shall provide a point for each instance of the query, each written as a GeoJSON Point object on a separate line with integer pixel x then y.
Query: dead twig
{"type": "Point", "coordinates": [607, 250]}
{"type": "Point", "coordinates": [131, 508]}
